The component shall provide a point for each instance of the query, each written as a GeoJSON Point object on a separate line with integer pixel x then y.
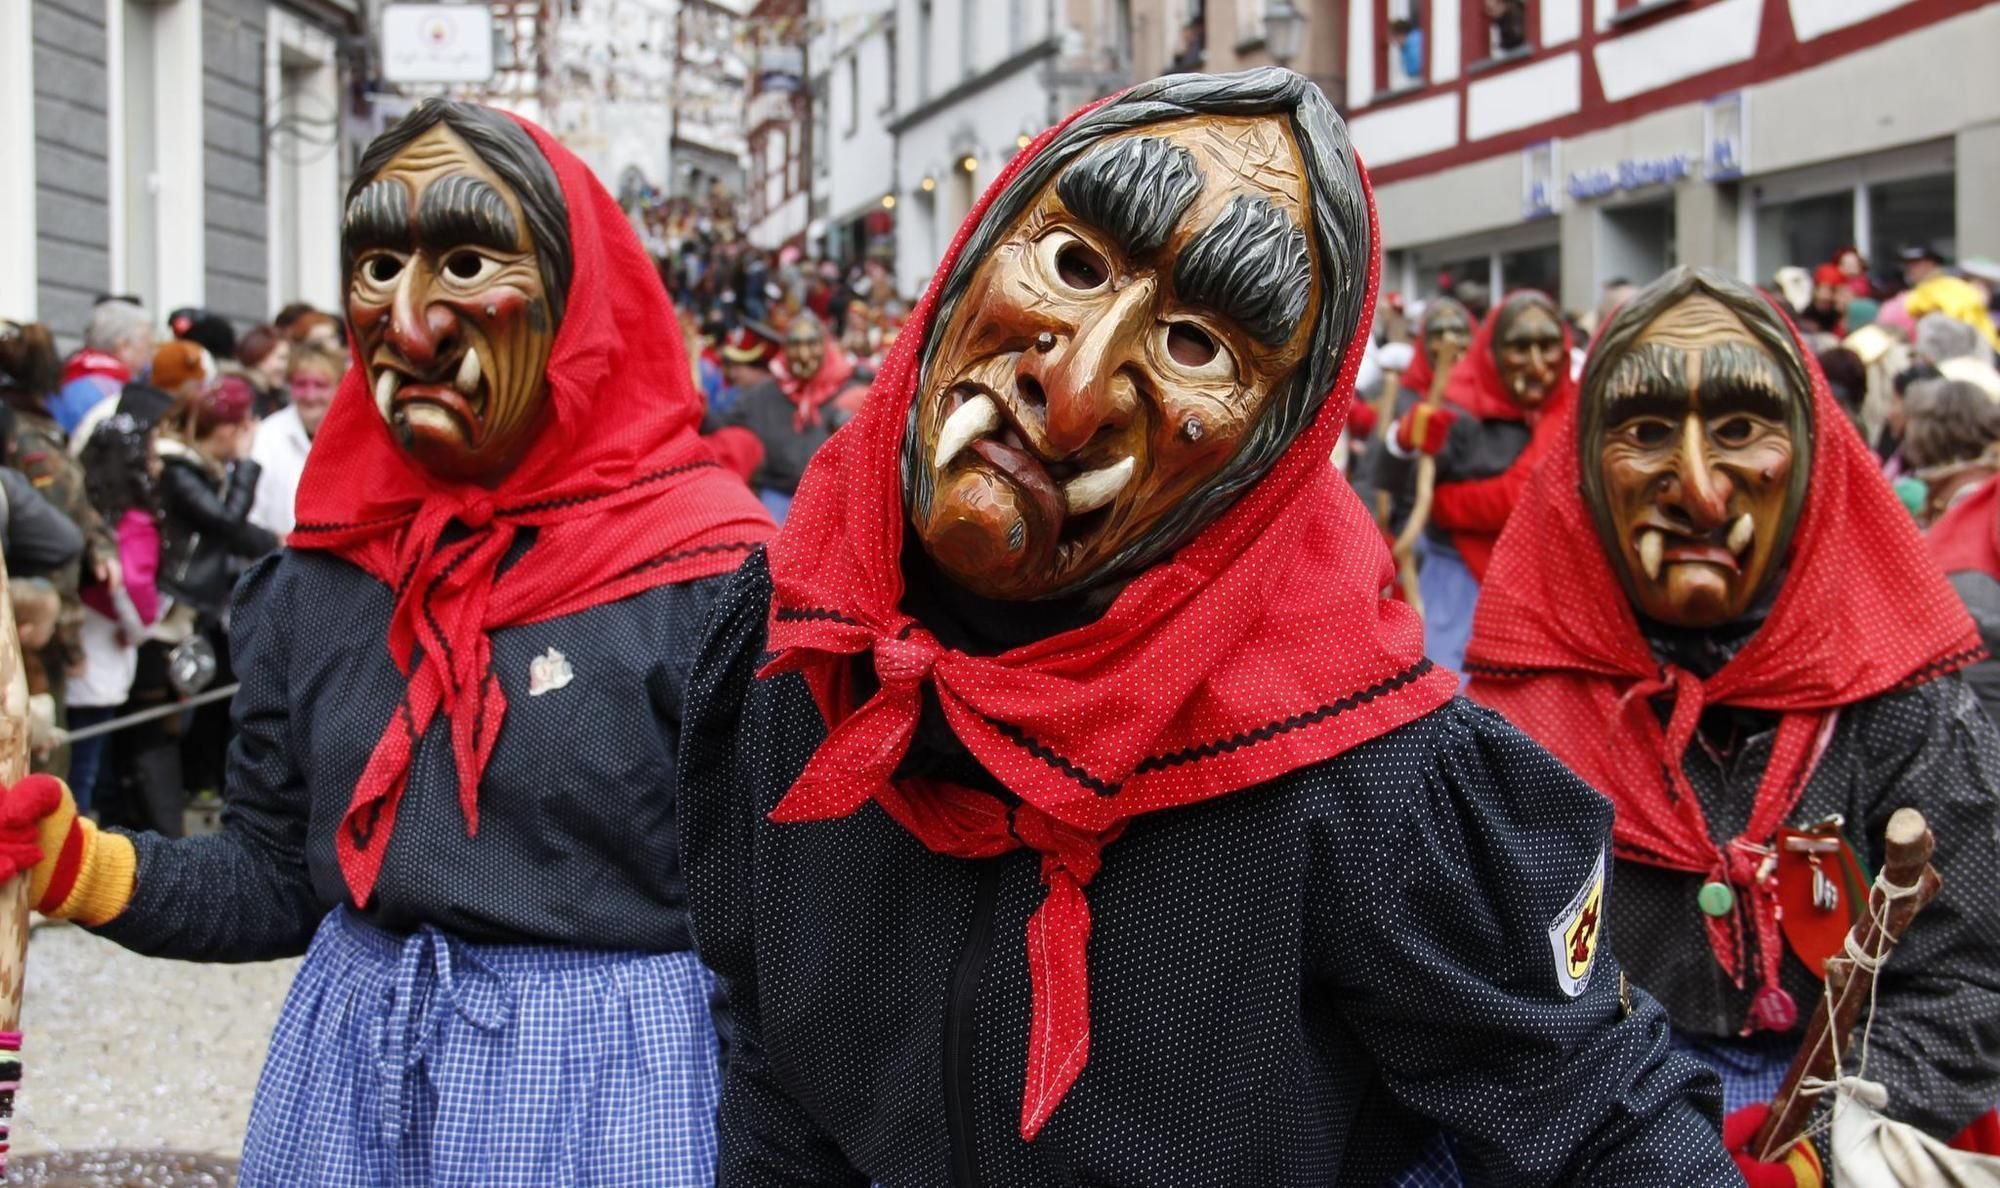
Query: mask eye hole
{"type": "Point", "coordinates": [1189, 345]}
{"type": "Point", "coordinates": [383, 268]}
{"type": "Point", "coordinates": [1735, 431]}
{"type": "Point", "coordinates": [466, 265]}
{"type": "Point", "coordinates": [1080, 268]}
{"type": "Point", "coordinates": [1651, 433]}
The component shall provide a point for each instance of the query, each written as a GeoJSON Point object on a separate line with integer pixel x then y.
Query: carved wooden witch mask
{"type": "Point", "coordinates": [1113, 352]}
{"type": "Point", "coordinates": [457, 256]}
{"type": "Point", "coordinates": [1696, 427]}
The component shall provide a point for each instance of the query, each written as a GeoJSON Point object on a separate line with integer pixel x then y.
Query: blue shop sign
{"type": "Point", "coordinates": [1585, 184]}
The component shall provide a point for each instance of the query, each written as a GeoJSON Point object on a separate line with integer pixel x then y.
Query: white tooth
{"type": "Point", "coordinates": [467, 382]}
{"type": "Point", "coordinates": [971, 421]}
{"type": "Point", "coordinates": [1741, 533]}
{"type": "Point", "coordinates": [1651, 546]}
{"type": "Point", "coordinates": [1094, 488]}
{"type": "Point", "coordinates": [385, 391]}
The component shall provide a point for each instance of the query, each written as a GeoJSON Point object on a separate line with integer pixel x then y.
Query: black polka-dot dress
{"type": "Point", "coordinates": [1300, 983]}
{"type": "Point", "coordinates": [1936, 1040]}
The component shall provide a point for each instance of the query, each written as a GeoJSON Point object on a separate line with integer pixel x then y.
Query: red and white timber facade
{"type": "Point", "coordinates": [1621, 137]}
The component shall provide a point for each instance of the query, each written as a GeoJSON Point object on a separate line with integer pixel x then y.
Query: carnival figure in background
{"type": "Point", "coordinates": [462, 684]}
{"type": "Point", "coordinates": [1484, 439]}
{"type": "Point", "coordinates": [812, 389]}
{"type": "Point", "coordinates": [1710, 606]}
{"type": "Point", "coordinates": [1080, 560]}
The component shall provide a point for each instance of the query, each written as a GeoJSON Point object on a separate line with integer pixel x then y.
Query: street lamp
{"type": "Point", "coordinates": [1284, 26]}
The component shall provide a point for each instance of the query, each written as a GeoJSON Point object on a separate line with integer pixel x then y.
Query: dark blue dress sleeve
{"type": "Point", "coordinates": [768, 1138]}
{"type": "Point", "coordinates": [243, 894]}
{"type": "Point", "coordinates": [1462, 914]}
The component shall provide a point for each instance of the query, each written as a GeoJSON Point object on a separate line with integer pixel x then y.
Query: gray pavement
{"type": "Point", "coordinates": [134, 1054]}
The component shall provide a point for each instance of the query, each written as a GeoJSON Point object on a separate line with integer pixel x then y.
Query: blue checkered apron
{"type": "Point", "coordinates": [428, 1060]}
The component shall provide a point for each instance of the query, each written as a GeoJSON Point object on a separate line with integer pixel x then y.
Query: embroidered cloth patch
{"type": "Point", "coordinates": [1575, 933]}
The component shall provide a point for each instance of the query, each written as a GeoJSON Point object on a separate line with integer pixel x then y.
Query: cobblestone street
{"type": "Point", "coordinates": [139, 1057]}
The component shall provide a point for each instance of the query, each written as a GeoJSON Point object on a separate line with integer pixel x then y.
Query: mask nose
{"type": "Point", "coordinates": [1704, 491]}
{"type": "Point", "coordinates": [420, 330]}
{"type": "Point", "coordinates": [1083, 384]}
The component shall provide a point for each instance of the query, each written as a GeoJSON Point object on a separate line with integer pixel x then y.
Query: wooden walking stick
{"type": "Point", "coordinates": [1405, 548]}
{"type": "Point", "coordinates": [1905, 885]}
{"type": "Point", "coordinates": [14, 893]}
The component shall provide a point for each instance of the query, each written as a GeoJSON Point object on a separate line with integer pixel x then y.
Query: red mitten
{"type": "Point", "coordinates": [1799, 1167]}
{"type": "Point", "coordinates": [1361, 420]}
{"type": "Point", "coordinates": [1424, 428]}
{"type": "Point", "coordinates": [22, 808]}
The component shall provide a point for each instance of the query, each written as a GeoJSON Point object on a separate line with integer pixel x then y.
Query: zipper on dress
{"type": "Point", "coordinates": [961, 1030]}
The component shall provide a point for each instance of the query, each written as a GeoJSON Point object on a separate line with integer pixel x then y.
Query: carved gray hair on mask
{"type": "Point", "coordinates": [1265, 299]}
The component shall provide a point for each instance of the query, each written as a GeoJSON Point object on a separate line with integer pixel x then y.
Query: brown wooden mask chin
{"type": "Point", "coordinates": [1698, 435]}
{"type": "Point", "coordinates": [446, 296]}
{"type": "Point", "coordinates": [1112, 352]}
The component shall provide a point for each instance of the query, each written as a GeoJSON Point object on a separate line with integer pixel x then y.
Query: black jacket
{"type": "Point", "coordinates": [205, 530]}
{"type": "Point", "coordinates": [39, 537]}
{"type": "Point", "coordinates": [1294, 984]}
{"type": "Point", "coordinates": [576, 842]}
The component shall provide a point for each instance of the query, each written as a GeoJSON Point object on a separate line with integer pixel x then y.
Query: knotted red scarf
{"type": "Point", "coordinates": [1556, 647]}
{"type": "Point", "coordinates": [1261, 647]}
{"type": "Point", "coordinates": [1475, 510]}
{"type": "Point", "coordinates": [619, 489]}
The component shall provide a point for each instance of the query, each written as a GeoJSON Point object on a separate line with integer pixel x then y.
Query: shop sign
{"type": "Point", "coordinates": [1634, 174]}
{"type": "Point", "coordinates": [437, 43]}
{"type": "Point", "coordinates": [1725, 135]}
{"type": "Point", "coordinates": [1540, 192]}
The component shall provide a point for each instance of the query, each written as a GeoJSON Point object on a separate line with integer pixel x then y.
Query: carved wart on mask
{"type": "Point", "coordinates": [457, 256]}
{"type": "Point", "coordinates": [1135, 333]}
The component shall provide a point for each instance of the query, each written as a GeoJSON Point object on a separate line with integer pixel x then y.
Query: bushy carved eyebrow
{"type": "Point", "coordinates": [1134, 190]}
{"type": "Point", "coordinates": [379, 217]}
{"type": "Point", "coordinates": [1736, 376]}
{"type": "Point", "coordinates": [1252, 266]}
{"type": "Point", "coordinates": [1650, 369]}
{"type": "Point", "coordinates": [464, 211]}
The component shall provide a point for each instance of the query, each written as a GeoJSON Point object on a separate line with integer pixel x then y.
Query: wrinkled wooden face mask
{"type": "Point", "coordinates": [1701, 434]}
{"type": "Point", "coordinates": [446, 297]}
{"type": "Point", "coordinates": [1113, 351]}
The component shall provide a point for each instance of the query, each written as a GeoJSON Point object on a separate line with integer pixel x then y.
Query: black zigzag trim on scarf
{"type": "Point", "coordinates": [1266, 733]}
{"type": "Point", "coordinates": [734, 546]}
{"type": "Point", "coordinates": [377, 522]}
{"type": "Point", "coordinates": [1942, 666]}
{"type": "Point", "coordinates": [786, 614]}
{"type": "Point", "coordinates": [1501, 671]}
{"type": "Point", "coordinates": [1210, 750]}
{"type": "Point", "coordinates": [645, 480]}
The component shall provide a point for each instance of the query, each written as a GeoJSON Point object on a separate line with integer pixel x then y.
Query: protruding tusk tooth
{"type": "Point", "coordinates": [385, 391]}
{"type": "Point", "coordinates": [467, 382]}
{"type": "Point", "coordinates": [1094, 488]}
{"type": "Point", "coordinates": [1652, 546]}
{"type": "Point", "coordinates": [971, 421]}
{"type": "Point", "coordinates": [1741, 533]}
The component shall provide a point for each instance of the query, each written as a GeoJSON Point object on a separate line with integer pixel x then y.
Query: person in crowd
{"type": "Point", "coordinates": [1501, 400]}
{"type": "Point", "coordinates": [1720, 667]}
{"type": "Point", "coordinates": [814, 387]}
{"type": "Point", "coordinates": [1847, 379]}
{"type": "Point", "coordinates": [747, 355]}
{"type": "Point", "coordinates": [462, 687]}
{"type": "Point", "coordinates": [301, 322]}
{"type": "Point", "coordinates": [1951, 426]}
{"type": "Point", "coordinates": [1941, 338]}
{"type": "Point", "coordinates": [1934, 290]}
{"type": "Point", "coordinates": [1406, 36]}
{"type": "Point", "coordinates": [265, 356]}
{"type": "Point", "coordinates": [283, 442]}
{"type": "Point", "coordinates": [180, 372]}
{"type": "Point", "coordinates": [1853, 270]}
{"type": "Point", "coordinates": [117, 346]}
{"type": "Point", "coordinates": [121, 472]}
{"type": "Point", "coordinates": [30, 373]}
{"type": "Point", "coordinates": [211, 331]}
{"type": "Point", "coordinates": [1826, 313]}
{"type": "Point", "coordinates": [1507, 25]}
{"type": "Point", "coordinates": [1075, 561]}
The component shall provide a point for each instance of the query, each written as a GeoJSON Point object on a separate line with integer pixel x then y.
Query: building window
{"type": "Point", "coordinates": [853, 94]}
{"type": "Point", "coordinates": [923, 50]}
{"type": "Point", "coordinates": [1403, 63]}
{"type": "Point", "coordinates": [1190, 39]}
{"type": "Point", "coordinates": [1506, 27]}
